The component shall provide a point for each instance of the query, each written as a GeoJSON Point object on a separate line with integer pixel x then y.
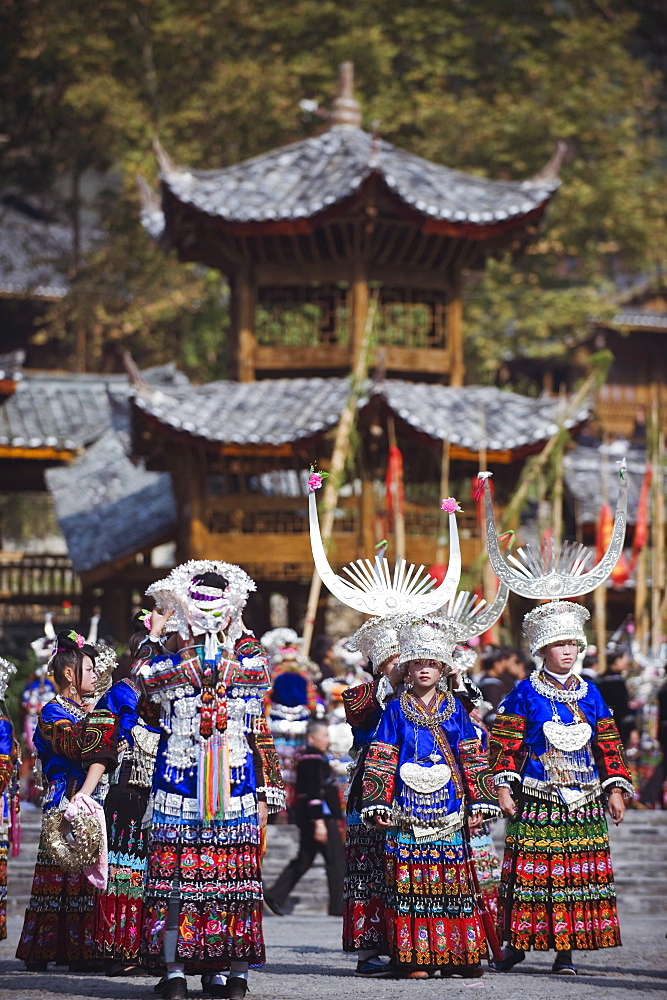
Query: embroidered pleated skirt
{"type": "Point", "coordinates": [557, 885]}
{"type": "Point", "coordinates": [59, 920]}
{"type": "Point", "coordinates": [118, 911]}
{"type": "Point", "coordinates": [431, 919]}
{"type": "Point", "coordinates": [364, 925]}
{"type": "Point", "coordinates": [211, 872]}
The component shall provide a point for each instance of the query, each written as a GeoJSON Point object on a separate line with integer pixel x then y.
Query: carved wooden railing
{"type": "Point", "coordinates": [37, 579]}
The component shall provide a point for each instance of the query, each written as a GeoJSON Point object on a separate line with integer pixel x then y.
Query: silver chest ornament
{"type": "Point", "coordinates": [425, 780]}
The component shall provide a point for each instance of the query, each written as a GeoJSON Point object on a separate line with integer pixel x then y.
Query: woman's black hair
{"type": "Point", "coordinates": [210, 580]}
{"type": "Point", "coordinates": [70, 654]}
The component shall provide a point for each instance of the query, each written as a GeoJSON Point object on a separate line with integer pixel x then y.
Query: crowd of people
{"type": "Point", "coordinates": [156, 789]}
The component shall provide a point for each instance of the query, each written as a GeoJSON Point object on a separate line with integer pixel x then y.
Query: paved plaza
{"type": "Point", "coordinates": [305, 963]}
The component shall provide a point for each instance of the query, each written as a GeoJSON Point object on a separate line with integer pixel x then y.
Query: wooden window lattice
{"type": "Point", "coordinates": [318, 316]}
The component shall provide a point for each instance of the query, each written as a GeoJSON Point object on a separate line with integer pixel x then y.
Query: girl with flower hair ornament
{"type": "Point", "coordinates": [425, 777]}
{"type": "Point", "coordinates": [76, 745]}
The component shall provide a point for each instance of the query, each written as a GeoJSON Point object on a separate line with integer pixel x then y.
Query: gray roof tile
{"type": "Point", "coordinates": [302, 179]}
{"type": "Point", "coordinates": [108, 507]}
{"type": "Point", "coordinates": [68, 411]}
{"type": "Point", "coordinates": [35, 255]}
{"type": "Point", "coordinates": [584, 470]}
{"type": "Point", "coordinates": [282, 410]}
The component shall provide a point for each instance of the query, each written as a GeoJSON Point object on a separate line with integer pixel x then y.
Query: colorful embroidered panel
{"type": "Point", "coordinates": [380, 776]}
{"type": "Point", "coordinates": [506, 746]}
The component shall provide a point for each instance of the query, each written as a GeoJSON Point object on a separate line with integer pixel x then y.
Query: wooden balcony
{"type": "Point", "coordinates": [37, 579]}
{"type": "Point", "coordinates": [270, 538]}
{"type": "Point", "coordinates": [617, 405]}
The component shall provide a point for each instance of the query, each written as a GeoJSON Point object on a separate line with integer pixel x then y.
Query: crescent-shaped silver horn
{"type": "Point", "coordinates": [473, 613]}
{"type": "Point", "coordinates": [375, 590]}
{"type": "Point", "coordinates": [551, 575]}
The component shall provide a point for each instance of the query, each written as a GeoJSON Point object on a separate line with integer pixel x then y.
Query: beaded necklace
{"type": "Point", "coordinates": [569, 696]}
{"type": "Point", "coordinates": [71, 707]}
{"type": "Point", "coordinates": [430, 720]}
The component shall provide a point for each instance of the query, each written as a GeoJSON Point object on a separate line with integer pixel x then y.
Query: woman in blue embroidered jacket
{"type": "Point", "coordinates": [75, 745]}
{"type": "Point", "coordinates": [9, 792]}
{"type": "Point", "coordinates": [119, 908]}
{"type": "Point", "coordinates": [557, 758]}
{"type": "Point", "coordinates": [425, 777]}
{"type": "Point", "coordinates": [216, 778]}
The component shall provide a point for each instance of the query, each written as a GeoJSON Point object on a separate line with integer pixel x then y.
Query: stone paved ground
{"type": "Point", "coordinates": [305, 963]}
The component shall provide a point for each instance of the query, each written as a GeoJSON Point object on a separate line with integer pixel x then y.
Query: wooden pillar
{"type": "Point", "coordinates": [367, 532]}
{"type": "Point", "coordinates": [187, 467]}
{"type": "Point", "coordinates": [454, 333]}
{"type": "Point", "coordinates": [243, 306]}
{"type": "Point", "coordinates": [358, 309]}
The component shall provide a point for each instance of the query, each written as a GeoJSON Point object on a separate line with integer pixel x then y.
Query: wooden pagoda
{"type": "Point", "coordinates": [308, 236]}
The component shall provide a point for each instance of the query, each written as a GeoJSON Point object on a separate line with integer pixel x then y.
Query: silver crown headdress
{"type": "Point", "coordinates": [554, 622]}
{"type": "Point", "coordinates": [376, 639]}
{"type": "Point", "coordinates": [371, 587]}
{"type": "Point", "coordinates": [7, 668]}
{"type": "Point", "coordinates": [428, 637]}
{"type": "Point", "coordinates": [551, 574]}
{"type": "Point", "coordinates": [174, 593]}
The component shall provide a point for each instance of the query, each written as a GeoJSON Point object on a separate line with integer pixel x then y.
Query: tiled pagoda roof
{"type": "Point", "coordinates": [301, 180]}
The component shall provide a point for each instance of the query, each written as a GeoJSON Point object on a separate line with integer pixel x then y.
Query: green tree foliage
{"type": "Point", "coordinates": [485, 86]}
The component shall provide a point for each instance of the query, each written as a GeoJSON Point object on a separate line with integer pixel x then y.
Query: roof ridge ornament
{"type": "Point", "coordinates": [554, 574]}
{"type": "Point", "coordinates": [346, 109]}
{"type": "Point", "coordinates": [373, 590]}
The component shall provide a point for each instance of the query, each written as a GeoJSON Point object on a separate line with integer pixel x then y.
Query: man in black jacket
{"type": "Point", "coordinates": [318, 815]}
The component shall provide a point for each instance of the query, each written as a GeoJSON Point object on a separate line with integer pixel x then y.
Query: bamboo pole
{"type": "Point", "coordinates": [600, 593]}
{"type": "Point", "coordinates": [539, 461]}
{"type": "Point", "coordinates": [444, 491]}
{"type": "Point", "coordinates": [395, 487]}
{"type": "Point", "coordinates": [557, 501]}
{"type": "Point", "coordinates": [339, 454]}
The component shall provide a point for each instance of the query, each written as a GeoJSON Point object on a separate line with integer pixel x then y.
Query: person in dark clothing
{"type": "Point", "coordinates": [614, 691]}
{"type": "Point", "coordinates": [499, 675]}
{"type": "Point", "coordinates": [321, 652]}
{"type": "Point", "coordinates": [318, 815]}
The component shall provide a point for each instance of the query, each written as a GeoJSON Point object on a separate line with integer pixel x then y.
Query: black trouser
{"type": "Point", "coordinates": [333, 853]}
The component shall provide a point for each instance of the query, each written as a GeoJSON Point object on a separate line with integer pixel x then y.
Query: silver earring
{"type": "Point", "coordinates": [408, 683]}
{"type": "Point", "coordinates": [442, 683]}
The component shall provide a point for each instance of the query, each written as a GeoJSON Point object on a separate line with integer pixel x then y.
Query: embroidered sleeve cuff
{"type": "Point", "coordinates": [368, 813]}
{"type": "Point", "coordinates": [506, 778]}
{"type": "Point", "coordinates": [486, 809]}
{"type": "Point", "coordinates": [274, 798]}
{"type": "Point", "coordinates": [610, 784]}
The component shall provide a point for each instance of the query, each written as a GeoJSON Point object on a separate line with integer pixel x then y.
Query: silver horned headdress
{"type": "Point", "coordinates": [472, 615]}
{"type": "Point", "coordinates": [551, 574]}
{"type": "Point", "coordinates": [373, 590]}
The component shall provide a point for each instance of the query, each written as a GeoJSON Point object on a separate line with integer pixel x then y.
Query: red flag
{"type": "Point", "coordinates": [621, 570]}
{"type": "Point", "coordinates": [641, 525]}
{"type": "Point", "coordinates": [394, 484]}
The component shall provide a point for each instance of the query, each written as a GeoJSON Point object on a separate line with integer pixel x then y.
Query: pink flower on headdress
{"type": "Point", "coordinates": [146, 618]}
{"type": "Point", "coordinates": [450, 505]}
{"type": "Point", "coordinates": [315, 479]}
{"type": "Point", "coordinates": [78, 639]}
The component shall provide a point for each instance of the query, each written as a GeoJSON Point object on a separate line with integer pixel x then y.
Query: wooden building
{"type": "Point", "coordinates": [309, 235]}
